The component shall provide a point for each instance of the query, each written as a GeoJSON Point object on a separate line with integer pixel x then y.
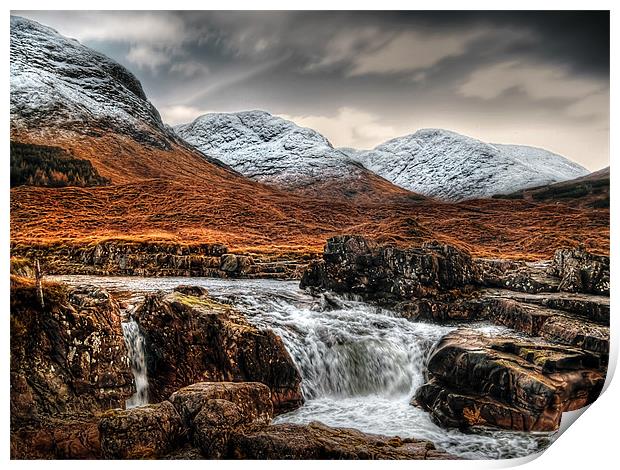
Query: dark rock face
{"type": "Point", "coordinates": [554, 325]}
{"type": "Point", "coordinates": [477, 380]}
{"type": "Point", "coordinates": [191, 339]}
{"type": "Point", "coordinates": [145, 432]}
{"type": "Point", "coordinates": [581, 271]}
{"type": "Point", "coordinates": [68, 361]}
{"type": "Point", "coordinates": [317, 441]}
{"type": "Point", "coordinates": [70, 355]}
{"type": "Point", "coordinates": [353, 264]}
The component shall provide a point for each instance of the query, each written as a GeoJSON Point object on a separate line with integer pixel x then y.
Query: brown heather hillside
{"type": "Point", "coordinates": [192, 200]}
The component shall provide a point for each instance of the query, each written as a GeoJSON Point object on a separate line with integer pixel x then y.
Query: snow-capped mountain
{"type": "Point", "coordinates": [270, 149]}
{"type": "Point", "coordinates": [450, 166]}
{"type": "Point", "coordinates": [56, 81]}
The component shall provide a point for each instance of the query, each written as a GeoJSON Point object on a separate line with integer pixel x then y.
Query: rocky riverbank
{"type": "Point", "coordinates": [119, 257]}
{"type": "Point", "coordinates": [559, 310]}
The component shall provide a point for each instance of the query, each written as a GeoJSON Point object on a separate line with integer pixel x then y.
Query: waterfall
{"type": "Point", "coordinates": [360, 364]}
{"type": "Point", "coordinates": [135, 348]}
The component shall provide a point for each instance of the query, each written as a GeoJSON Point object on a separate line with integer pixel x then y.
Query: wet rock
{"type": "Point", "coordinates": [193, 339]}
{"type": "Point", "coordinates": [553, 325]}
{"type": "Point", "coordinates": [145, 432]}
{"type": "Point", "coordinates": [252, 399]}
{"type": "Point", "coordinates": [317, 441]}
{"type": "Point", "coordinates": [593, 308]}
{"type": "Point", "coordinates": [581, 271]}
{"type": "Point", "coordinates": [229, 263]}
{"type": "Point", "coordinates": [507, 382]}
{"type": "Point", "coordinates": [68, 356]}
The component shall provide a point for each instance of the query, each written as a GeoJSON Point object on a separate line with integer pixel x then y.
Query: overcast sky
{"type": "Point", "coordinates": [361, 78]}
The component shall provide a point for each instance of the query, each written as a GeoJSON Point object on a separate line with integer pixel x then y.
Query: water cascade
{"type": "Point", "coordinates": [135, 349]}
{"type": "Point", "coordinates": [360, 364]}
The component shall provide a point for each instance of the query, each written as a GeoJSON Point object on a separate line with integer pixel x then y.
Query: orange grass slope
{"type": "Point", "coordinates": [248, 217]}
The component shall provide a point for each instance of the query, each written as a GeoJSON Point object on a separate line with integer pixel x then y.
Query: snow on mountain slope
{"type": "Point", "coordinates": [56, 81]}
{"type": "Point", "coordinates": [66, 95]}
{"type": "Point", "coordinates": [270, 149]}
{"type": "Point", "coordinates": [450, 166]}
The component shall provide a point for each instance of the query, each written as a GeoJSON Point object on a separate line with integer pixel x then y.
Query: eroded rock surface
{"type": "Point", "coordinates": [192, 339]}
{"type": "Point", "coordinates": [68, 362]}
{"type": "Point", "coordinates": [68, 356]}
{"type": "Point", "coordinates": [581, 271]}
{"type": "Point", "coordinates": [317, 441]}
{"type": "Point", "coordinates": [353, 264]}
{"type": "Point", "coordinates": [512, 383]}
{"type": "Point", "coordinates": [152, 258]}
{"type": "Point", "coordinates": [144, 432]}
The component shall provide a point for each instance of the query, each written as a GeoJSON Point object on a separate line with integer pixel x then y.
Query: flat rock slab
{"type": "Point", "coordinates": [317, 441]}
{"type": "Point", "coordinates": [554, 325]}
{"type": "Point", "coordinates": [588, 306]}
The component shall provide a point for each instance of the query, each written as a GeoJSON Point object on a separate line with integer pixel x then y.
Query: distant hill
{"type": "Point", "coordinates": [591, 190]}
{"type": "Point", "coordinates": [454, 167]}
{"type": "Point", "coordinates": [273, 150]}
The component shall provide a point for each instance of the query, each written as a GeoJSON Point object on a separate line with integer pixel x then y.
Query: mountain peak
{"type": "Point", "coordinates": [450, 166]}
{"type": "Point", "coordinates": [58, 82]}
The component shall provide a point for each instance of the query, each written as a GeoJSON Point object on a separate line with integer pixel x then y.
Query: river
{"type": "Point", "coordinates": [360, 364]}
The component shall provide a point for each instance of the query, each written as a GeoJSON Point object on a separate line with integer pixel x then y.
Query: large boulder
{"type": "Point", "coordinates": [144, 432]}
{"type": "Point", "coordinates": [353, 264]}
{"type": "Point", "coordinates": [192, 339]}
{"type": "Point", "coordinates": [214, 411]}
{"type": "Point", "coordinates": [506, 382]}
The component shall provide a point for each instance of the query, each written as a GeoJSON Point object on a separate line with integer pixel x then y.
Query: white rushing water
{"type": "Point", "coordinates": [360, 364]}
{"type": "Point", "coordinates": [135, 349]}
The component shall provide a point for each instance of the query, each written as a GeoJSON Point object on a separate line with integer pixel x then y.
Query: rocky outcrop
{"type": "Point", "coordinates": [192, 338]}
{"type": "Point", "coordinates": [68, 356]}
{"type": "Point", "coordinates": [68, 361]}
{"type": "Point", "coordinates": [151, 258]}
{"type": "Point", "coordinates": [558, 326]}
{"type": "Point", "coordinates": [353, 264]}
{"type": "Point", "coordinates": [232, 420]}
{"type": "Point", "coordinates": [506, 382]}
{"type": "Point", "coordinates": [475, 380]}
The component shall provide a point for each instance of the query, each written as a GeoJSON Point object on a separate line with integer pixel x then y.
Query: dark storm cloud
{"type": "Point", "coordinates": [539, 78]}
